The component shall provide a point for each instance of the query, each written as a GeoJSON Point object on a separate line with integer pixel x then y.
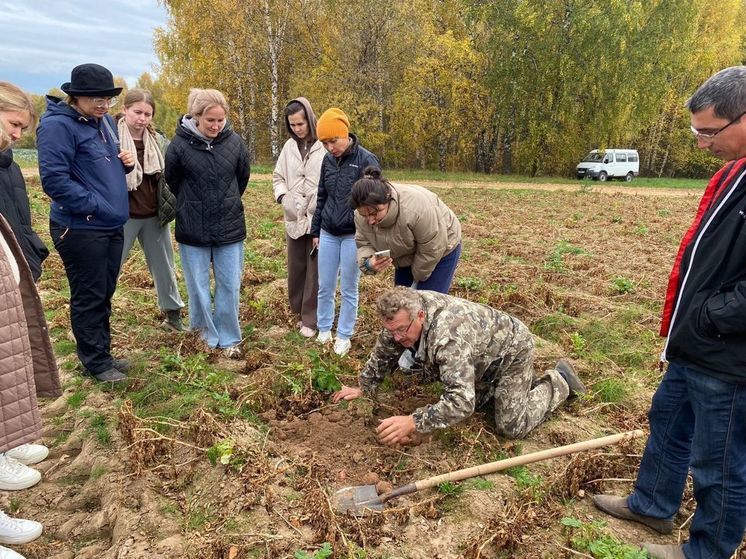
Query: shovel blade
{"type": "Point", "coordinates": [357, 499]}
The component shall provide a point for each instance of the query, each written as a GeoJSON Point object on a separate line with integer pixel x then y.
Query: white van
{"type": "Point", "coordinates": [603, 165]}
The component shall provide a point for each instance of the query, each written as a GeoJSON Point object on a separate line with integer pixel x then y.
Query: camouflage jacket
{"type": "Point", "coordinates": [462, 345]}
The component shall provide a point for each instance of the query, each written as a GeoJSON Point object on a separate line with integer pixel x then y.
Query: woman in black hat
{"type": "Point", "coordinates": [83, 171]}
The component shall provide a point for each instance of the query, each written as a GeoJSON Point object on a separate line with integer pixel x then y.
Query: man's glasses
{"type": "Point", "coordinates": [708, 136]}
{"type": "Point", "coordinates": [402, 332]}
{"type": "Point", "coordinates": [102, 102]}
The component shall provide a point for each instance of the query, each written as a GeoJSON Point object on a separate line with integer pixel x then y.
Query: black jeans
{"type": "Point", "coordinates": [91, 260]}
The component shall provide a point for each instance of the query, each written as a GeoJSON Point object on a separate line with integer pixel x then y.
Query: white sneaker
{"type": "Point", "coordinates": [232, 352]}
{"type": "Point", "coordinates": [28, 453]}
{"type": "Point", "coordinates": [342, 346]}
{"type": "Point", "coordinates": [15, 476]}
{"type": "Point", "coordinates": [6, 553]}
{"type": "Point", "coordinates": [324, 337]}
{"type": "Point", "coordinates": [307, 332]}
{"type": "Point", "coordinates": [16, 531]}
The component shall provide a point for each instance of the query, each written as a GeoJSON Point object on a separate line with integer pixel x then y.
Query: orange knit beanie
{"type": "Point", "coordinates": [332, 124]}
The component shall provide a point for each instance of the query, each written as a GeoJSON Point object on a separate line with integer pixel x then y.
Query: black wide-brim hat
{"type": "Point", "coordinates": [91, 80]}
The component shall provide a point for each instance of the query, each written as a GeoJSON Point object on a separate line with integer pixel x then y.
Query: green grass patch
{"type": "Point", "coordinates": [591, 538]}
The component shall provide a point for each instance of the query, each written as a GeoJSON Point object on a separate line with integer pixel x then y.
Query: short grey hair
{"type": "Point", "coordinates": [396, 299]}
{"type": "Point", "coordinates": [725, 92]}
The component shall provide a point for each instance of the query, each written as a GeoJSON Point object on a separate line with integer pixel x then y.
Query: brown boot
{"type": "Point", "coordinates": [617, 506]}
{"type": "Point", "coordinates": [664, 551]}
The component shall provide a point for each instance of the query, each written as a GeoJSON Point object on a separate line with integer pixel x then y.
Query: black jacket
{"type": "Point", "coordinates": [15, 208]}
{"type": "Point", "coordinates": [208, 181]}
{"type": "Point", "coordinates": [333, 212]}
{"type": "Point", "coordinates": [708, 327]}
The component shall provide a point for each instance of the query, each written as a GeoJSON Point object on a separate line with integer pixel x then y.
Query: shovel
{"type": "Point", "coordinates": [360, 498]}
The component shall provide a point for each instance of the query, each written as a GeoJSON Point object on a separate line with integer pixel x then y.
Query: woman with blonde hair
{"type": "Point", "coordinates": [151, 202]}
{"type": "Point", "coordinates": [28, 369]}
{"type": "Point", "coordinates": [207, 169]}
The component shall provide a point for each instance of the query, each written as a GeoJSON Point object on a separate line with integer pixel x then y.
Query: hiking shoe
{"type": "Point", "coordinates": [15, 476]}
{"type": "Point", "coordinates": [617, 506]}
{"type": "Point", "coordinates": [28, 454]}
{"type": "Point", "coordinates": [342, 346]}
{"type": "Point", "coordinates": [232, 352]}
{"type": "Point", "coordinates": [173, 321]}
{"type": "Point", "coordinates": [669, 551]}
{"type": "Point", "coordinates": [567, 372]}
{"type": "Point", "coordinates": [324, 337]}
{"type": "Point", "coordinates": [16, 531]}
{"type": "Point", "coordinates": [109, 375]}
{"type": "Point", "coordinates": [122, 365]}
{"type": "Point", "coordinates": [7, 553]}
{"type": "Point", "coordinates": [307, 332]}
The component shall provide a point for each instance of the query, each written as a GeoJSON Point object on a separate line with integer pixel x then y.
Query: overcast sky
{"type": "Point", "coordinates": [42, 40]}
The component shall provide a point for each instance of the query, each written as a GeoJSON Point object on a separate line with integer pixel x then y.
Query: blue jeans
{"type": "Point", "coordinates": [337, 259]}
{"type": "Point", "coordinates": [441, 278]}
{"type": "Point", "coordinates": [220, 327]}
{"type": "Point", "coordinates": [697, 422]}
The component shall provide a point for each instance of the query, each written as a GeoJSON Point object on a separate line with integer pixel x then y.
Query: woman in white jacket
{"type": "Point", "coordinates": [295, 182]}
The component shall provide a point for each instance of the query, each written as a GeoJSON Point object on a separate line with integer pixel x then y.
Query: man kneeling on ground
{"type": "Point", "coordinates": [475, 351]}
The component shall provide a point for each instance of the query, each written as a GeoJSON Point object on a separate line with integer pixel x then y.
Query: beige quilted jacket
{"type": "Point", "coordinates": [27, 364]}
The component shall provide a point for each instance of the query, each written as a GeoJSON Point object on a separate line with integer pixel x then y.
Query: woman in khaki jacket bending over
{"type": "Point", "coordinates": [421, 234]}
{"type": "Point", "coordinates": [295, 182]}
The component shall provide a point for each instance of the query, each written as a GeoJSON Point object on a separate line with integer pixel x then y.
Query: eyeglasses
{"type": "Point", "coordinates": [372, 210]}
{"type": "Point", "coordinates": [402, 332]}
{"type": "Point", "coordinates": [104, 101]}
{"type": "Point", "coordinates": [707, 137]}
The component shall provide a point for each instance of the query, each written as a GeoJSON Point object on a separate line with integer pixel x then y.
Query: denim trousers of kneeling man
{"type": "Point", "coordinates": [697, 423]}
{"type": "Point", "coordinates": [219, 327]}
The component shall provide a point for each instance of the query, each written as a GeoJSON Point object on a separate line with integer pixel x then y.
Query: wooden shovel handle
{"type": "Point", "coordinates": [493, 467]}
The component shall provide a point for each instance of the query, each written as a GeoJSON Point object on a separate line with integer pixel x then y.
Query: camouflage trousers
{"type": "Point", "coordinates": [521, 400]}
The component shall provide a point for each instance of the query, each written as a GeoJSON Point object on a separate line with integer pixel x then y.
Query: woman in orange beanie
{"type": "Point", "coordinates": [333, 226]}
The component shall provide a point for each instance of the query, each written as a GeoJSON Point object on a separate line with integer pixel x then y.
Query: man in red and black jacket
{"type": "Point", "coordinates": [698, 414]}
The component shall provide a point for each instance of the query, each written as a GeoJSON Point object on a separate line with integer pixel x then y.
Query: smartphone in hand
{"type": "Point", "coordinates": [382, 254]}
{"type": "Point", "coordinates": [314, 252]}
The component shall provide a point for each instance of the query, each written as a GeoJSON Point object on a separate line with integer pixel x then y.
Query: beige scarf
{"type": "Point", "coordinates": [152, 157]}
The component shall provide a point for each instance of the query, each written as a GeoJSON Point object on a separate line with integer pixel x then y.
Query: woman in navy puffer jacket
{"type": "Point", "coordinates": [83, 171]}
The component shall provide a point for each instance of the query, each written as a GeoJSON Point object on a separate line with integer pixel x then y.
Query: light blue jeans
{"type": "Point", "coordinates": [337, 259]}
{"type": "Point", "coordinates": [220, 327]}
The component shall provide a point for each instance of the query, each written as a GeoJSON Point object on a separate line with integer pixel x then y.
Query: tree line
{"type": "Point", "coordinates": [496, 86]}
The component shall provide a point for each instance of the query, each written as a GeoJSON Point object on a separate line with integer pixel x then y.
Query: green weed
{"type": "Point", "coordinates": [97, 472]}
{"type": "Point", "coordinates": [610, 390]}
{"type": "Point", "coordinates": [100, 427]}
{"type": "Point", "coordinates": [76, 400]}
{"type": "Point", "coordinates": [469, 283]}
{"type": "Point", "coordinates": [623, 285]}
{"type": "Point", "coordinates": [324, 375]}
{"type": "Point", "coordinates": [479, 483]}
{"type": "Point", "coordinates": [324, 552]}
{"type": "Point", "coordinates": [579, 343]}
{"type": "Point", "coordinates": [556, 261]}
{"type": "Point", "coordinates": [450, 488]}
{"type": "Point", "coordinates": [591, 538]}
{"type": "Point", "coordinates": [221, 452]}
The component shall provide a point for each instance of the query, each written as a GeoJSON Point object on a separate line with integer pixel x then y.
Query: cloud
{"type": "Point", "coordinates": [43, 41]}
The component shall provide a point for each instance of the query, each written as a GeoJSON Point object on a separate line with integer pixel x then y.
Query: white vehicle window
{"type": "Point", "coordinates": [621, 157]}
